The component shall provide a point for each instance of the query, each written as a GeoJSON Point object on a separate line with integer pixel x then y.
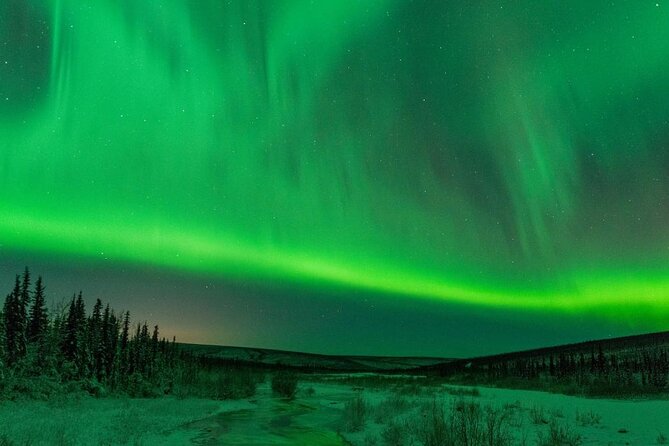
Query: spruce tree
{"type": "Point", "coordinates": [24, 301]}
{"type": "Point", "coordinates": [3, 345]}
{"type": "Point", "coordinates": [25, 289]}
{"type": "Point", "coordinates": [74, 345]}
{"type": "Point", "coordinates": [111, 345]}
{"type": "Point", "coordinates": [70, 332]}
{"type": "Point", "coordinates": [15, 325]}
{"type": "Point", "coordinates": [38, 322]}
{"type": "Point", "coordinates": [144, 349]}
{"type": "Point", "coordinates": [94, 339]}
{"type": "Point", "coordinates": [82, 353]}
{"type": "Point", "coordinates": [134, 351]}
{"type": "Point", "coordinates": [107, 351]}
{"type": "Point", "coordinates": [124, 360]}
{"type": "Point", "coordinates": [6, 330]}
{"type": "Point", "coordinates": [125, 332]}
{"type": "Point", "coordinates": [154, 342]}
{"type": "Point", "coordinates": [154, 351]}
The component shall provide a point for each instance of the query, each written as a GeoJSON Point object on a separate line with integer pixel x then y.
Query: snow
{"type": "Point", "coordinates": [602, 421]}
{"type": "Point", "coordinates": [315, 417]}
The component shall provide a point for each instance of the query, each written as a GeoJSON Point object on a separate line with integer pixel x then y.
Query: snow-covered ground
{"type": "Point", "coordinates": [83, 420]}
{"type": "Point", "coordinates": [598, 421]}
{"type": "Point", "coordinates": [315, 417]}
{"type": "Point", "coordinates": [592, 421]}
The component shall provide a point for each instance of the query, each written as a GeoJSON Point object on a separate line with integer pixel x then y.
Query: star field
{"type": "Point", "coordinates": [503, 156]}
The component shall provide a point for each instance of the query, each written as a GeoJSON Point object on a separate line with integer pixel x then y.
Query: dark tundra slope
{"type": "Point", "coordinates": [622, 347]}
{"type": "Point", "coordinates": [626, 365]}
{"type": "Point", "coordinates": [308, 361]}
{"type": "Point", "coordinates": [632, 365]}
{"type": "Point", "coordinates": [603, 352]}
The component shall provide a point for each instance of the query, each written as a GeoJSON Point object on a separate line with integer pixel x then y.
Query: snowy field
{"type": "Point", "coordinates": [529, 417]}
{"type": "Point", "coordinates": [333, 413]}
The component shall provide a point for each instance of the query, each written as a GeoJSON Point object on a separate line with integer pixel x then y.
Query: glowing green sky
{"type": "Point", "coordinates": [500, 155]}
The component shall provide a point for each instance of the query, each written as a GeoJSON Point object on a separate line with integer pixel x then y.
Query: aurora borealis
{"type": "Point", "coordinates": [499, 161]}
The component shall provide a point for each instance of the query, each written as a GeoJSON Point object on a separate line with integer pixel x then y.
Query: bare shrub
{"type": "Point", "coordinates": [496, 427]}
{"type": "Point", "coordinates": [465, 424]}
{"type": "Point", "coordinates": [514, 416]}
{"type": "Point", "coordinates": [432, 429]}
{"type": "Point", "coordinates": [559, 435]}
{"type": "Point", "coordinates": [538, 415]}
{"type": "Point", "coordinates": [394, 434]}
{"type": "Point", "coordinates": [284, 384]}
{"type": "Point", "coordinates": [588, 418]}
{"type": "Point", "coordinates": [355, 414]}
{"type": "Point", "coordinates": [233, 384]}
{"type": "Point", "coordinates": [557, 413]}
{"type": "Point", "coordinates": [516, 405]}
{"type": "Point", "coordinates": [391, 407]}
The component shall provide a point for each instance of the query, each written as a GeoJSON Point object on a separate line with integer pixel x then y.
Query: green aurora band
{"type": "Point", "coordinates": [508, 154]}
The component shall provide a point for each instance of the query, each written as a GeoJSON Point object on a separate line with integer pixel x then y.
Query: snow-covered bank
{"type": "Point", "coordinates": [527, 415]}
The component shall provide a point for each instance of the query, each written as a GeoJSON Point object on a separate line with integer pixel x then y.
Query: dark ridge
{"type": "Point", "coordinates": [611, 345]}
{"type": "Point", "coordinates": [307, 361]}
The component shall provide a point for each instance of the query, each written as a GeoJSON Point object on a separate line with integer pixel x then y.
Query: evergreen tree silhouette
{"type": "Point", "coordinates": [105, 344]}
{"type": "Point", "coordinates": [144, 349]}
{"type": "Point", "coordinates": [153, 359]}
{"type": "Point", "coordinates": [70, 332]}
{"type": "Point", "coordinates": [125, 332]}
{"type": "Point", "coordinates": [71, 346]}
{"type": "Point", "coordinates": [124, 352]}
{"type": "Point", "coordinates": [38, 323]}
{"type": "Point", "coordinates": [15, 325]}
{"type": "Point", "coordinates": [154, 343]}
{"type": "Point", "coordinates": [24, 301]}
{"type": "Point", "coordinates": [94, 341]}
{"type": "Point", "coordinates": [110, 344]}
{"type": "Point", "coordinates": [3, 344]}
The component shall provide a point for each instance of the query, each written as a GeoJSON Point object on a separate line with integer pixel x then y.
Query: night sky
{"type": "Point", "coordinates": [419, 177]}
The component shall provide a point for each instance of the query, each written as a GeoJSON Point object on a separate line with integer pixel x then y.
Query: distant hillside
{"type": "Point", "coordinates": [621, 347]}
{"type": "Point", "coordinates": [310, 361]}
{"type": "Point", "coordinates": [626, 366]}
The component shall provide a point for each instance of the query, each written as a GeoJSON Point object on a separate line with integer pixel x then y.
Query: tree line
{"type": "Point", "coordinates": [101, 350]}
{"type": "Point", "coordinates": [599, 370]}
